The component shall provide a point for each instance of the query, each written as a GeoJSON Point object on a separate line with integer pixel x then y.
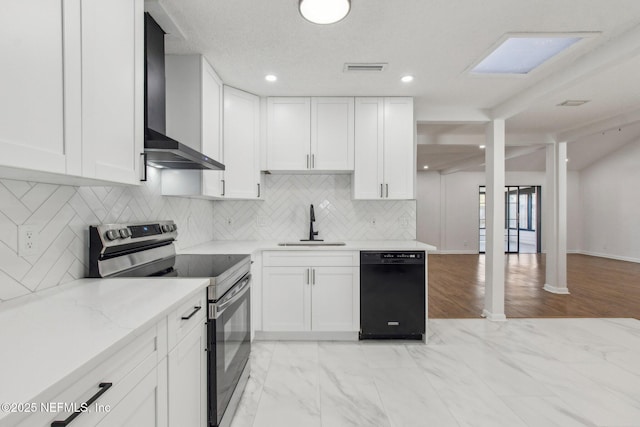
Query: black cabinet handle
{"type": "Point", "coordinates": [224, 187]}
{"type": "Point", "coordinates": [103, 388]}
{"type": "Point", "coordinates": [258, 190]}
{"type": "Point", "coordinates": [144, 166]}
{"type": "Point", "coordinates": [195, 310]}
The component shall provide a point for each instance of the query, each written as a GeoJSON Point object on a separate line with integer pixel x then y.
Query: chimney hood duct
{"type": "Point", "coordinates": [161, 150]}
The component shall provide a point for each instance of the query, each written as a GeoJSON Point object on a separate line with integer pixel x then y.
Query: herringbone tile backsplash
{"type": "Point", "coordinates": [63, 214]}
{"type": "Point", "coordinates": [284, 214]}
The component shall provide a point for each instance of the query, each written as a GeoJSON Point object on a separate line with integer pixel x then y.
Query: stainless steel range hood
{"type": "Point", "coordinates": [161, 150]}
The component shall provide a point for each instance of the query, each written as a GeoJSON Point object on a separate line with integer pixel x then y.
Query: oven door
{"type": "Point", "coordinates": [229, 345]}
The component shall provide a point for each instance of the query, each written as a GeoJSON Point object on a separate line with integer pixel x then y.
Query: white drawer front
{"type": "Point", "coordinates": [304, 258]}
{"type": "Point", "coordinates": [186, 317]}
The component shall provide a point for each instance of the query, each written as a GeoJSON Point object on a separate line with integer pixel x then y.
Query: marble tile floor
{"type": "Point", "coordinates": [473, 372]}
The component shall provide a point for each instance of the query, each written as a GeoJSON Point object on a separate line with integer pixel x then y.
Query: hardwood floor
{"type": "Point", "coordinates": [599, 287]}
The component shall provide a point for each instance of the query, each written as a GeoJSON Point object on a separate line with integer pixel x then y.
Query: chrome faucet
{"type": "Point", "coordinates": [312, 234]}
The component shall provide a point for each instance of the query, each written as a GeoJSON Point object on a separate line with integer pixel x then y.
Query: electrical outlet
{"type": "Point", "coordinates": [262, 221]}
{"type": "Point", "coordinates": [404, 221]}
{"type": "Point", "coordinates": [28, 240]}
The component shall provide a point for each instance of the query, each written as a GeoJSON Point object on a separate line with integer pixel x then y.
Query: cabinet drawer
{"type": "Point", "coordinates": [305, 258]}
{"type": "Point", "coordinates": [123, 370]}
{"type": "Point", "coordinates": [186, 317]}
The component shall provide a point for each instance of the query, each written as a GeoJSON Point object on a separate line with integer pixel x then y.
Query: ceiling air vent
{"type": "Point", "coordinates": [573, 103]}
{"type": "Point", "coordinates": [377, 67]}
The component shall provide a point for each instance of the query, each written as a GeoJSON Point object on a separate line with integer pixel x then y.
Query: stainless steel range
{"type": "Point", "coordinates": [148, 250]}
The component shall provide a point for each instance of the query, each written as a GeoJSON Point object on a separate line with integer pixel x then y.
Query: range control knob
{"type": "Point", "coordinates": [112, 234]}
{"type": "Point", "coordinates": [124, 233]}
{"type": "Point", "coordinates": [165, 228]}
{"type": "Point", "coordinates": [174, 227]}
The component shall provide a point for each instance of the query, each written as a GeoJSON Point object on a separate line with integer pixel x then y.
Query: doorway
{"type": "Point", "coordinates": [522, 219]}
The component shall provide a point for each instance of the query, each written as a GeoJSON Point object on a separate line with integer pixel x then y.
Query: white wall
{"type": "Point", "coordinates": [447, 208]}
{"type": "Point", "coordinates": [610, 205]}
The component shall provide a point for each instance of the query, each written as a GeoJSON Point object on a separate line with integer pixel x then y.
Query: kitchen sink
{"type": "Point", "coordinates": [314, 243]}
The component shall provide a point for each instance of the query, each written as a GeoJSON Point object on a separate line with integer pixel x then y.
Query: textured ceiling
{"type": "Point", "coordinates": [434, 40]}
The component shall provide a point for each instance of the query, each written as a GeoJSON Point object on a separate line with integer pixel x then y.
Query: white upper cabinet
{"type": "Point", "coordinates": [32, 85]}
{"type": "Point", "coordinates": [72, 90]}
{"type": "Point", "coordinates": [332, 133]}
{"type": "Point", "coordinates": [112, 89]}
{"type": "Point", "coordinates": [194, 117]}
{"type": "Point", "coordinates": [288, 134]}
{"type": "Point", "coordinates": [241, 144]}
{"type": "Point", "coordinates": [384, 149]}
{"type": "Point", "coordinates": [310, 134]}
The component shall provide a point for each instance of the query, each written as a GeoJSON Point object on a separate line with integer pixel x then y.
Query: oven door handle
{"type": "Point", "coordinates": [234, 296]}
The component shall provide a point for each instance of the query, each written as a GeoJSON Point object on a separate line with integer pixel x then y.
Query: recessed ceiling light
{"type": "Point", "coordinates": [520, 55]}
{"type": "Point", "coordinates": [566, 160]}
{"type": "Point", "coordinates": [482, 147]}
{"type": "Point", "coordinates": [573, 103]}
{"type": "Point", "coordinates": [270, 78]}
{"type": "Point", "coordinates": [324, 11]}
{"type": "Point", "coordinates": [425, 167]}
{"type": "Point", "coordinates": [407, 79]}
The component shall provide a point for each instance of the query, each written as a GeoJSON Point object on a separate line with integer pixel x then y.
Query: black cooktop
{"type": "Point", "coordinates": [205, 265]}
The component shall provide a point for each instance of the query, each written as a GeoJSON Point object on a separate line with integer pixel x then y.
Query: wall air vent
{"type": "Point", "coordinates": [375, 67]}
{"type": "Point", "coordinates": [573, 103]}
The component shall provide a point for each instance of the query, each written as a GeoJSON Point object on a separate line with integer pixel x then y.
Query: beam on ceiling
{"type": "Point", "coordinates": [479, 160]}
{"type": "Point", "coordinates": [599, 126]}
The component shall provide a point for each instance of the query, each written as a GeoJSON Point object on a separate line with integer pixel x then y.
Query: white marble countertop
{"type": "Point", "coordinates": [48, 337]}
{"type": "Point", "coordinates": [251, 246]}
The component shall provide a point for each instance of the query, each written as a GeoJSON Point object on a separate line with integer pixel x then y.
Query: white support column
{"type": "Point", "coordinates": [554, 225]}
{"type": "Point", "coordinates": [494, 255]}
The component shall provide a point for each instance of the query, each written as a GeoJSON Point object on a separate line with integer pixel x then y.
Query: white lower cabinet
{"type": "Point", "coordinates": [140, 408]}
{"type": "Point", "coordinates": [158, 380]}
{"type": "Point", "coordinates": [310, 296]}
{"type": "Point", "coordinates": [188, 379]}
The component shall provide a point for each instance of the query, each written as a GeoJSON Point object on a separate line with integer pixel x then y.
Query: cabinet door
{"type": "Point", "coordinates": [288, 134]}
{"type": "Point", "coordinates": [399, 148]}
{"type": "Point", "coordinates": [31, 87]}
{"type": "Point", "coordinates": [369, 133]}
{"type": "Point", "coordinates": [187, 380]}
{"type": "Point", "coordinates": [286, 303]}
{"type": "Point", "coordinates": [112, 89]}
{"type": "Point", "coordinates": [335, 299]}
{"type": "Point", "coordinates": [141, 407]}
{"type": "Point", "coordinates": [241, 133]}
{"type": "Point", "coordinates": [212, 129]}
{"type": "Point", "coordinates": [332, 133]}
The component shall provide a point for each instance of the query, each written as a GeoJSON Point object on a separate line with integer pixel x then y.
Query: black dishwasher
{"type": "Point", "coordinates": [392, 295]}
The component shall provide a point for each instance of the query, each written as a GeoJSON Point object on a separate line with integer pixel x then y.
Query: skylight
{"type": "Point", "coordinates": [520, 55]}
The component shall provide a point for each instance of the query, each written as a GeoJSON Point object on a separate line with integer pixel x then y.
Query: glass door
{"type": "Point", "coordinates": [511, 231]}
{"type": "Point", "coordinates": [522, 219]}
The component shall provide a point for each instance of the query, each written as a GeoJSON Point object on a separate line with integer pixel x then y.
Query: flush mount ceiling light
{"type": "Point", "coordinates": [270, 78]}
{"type": "Point", "coordinates": [520, 54]}
{"type": "Point", "coordinates": [407, 79]}
{"type": "Point", "coordinates": [324, 11]}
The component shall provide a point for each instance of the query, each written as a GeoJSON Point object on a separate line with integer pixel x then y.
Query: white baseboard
{"type": "Point", "coordinates": [454, 252]}
{"type": "Point", "coordinates": [610, 256]}
{"type": "Point", "coordinates": [494, 317]}
{"type": "Point", "coordinates": [555, 289]}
